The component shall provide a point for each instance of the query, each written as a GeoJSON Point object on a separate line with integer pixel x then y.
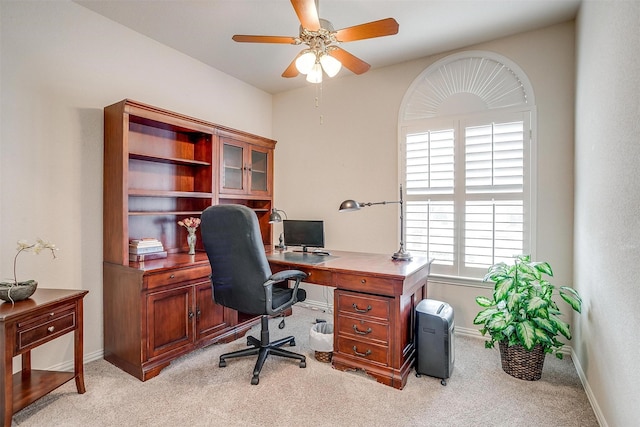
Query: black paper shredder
{"type": "Point", "coordinates": [434, 339]}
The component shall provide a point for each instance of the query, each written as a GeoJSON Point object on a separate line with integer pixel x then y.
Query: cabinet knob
{"type": "Point", "coordinates": [363, 281]}
{"type": "Point", "coordinates": [172, 276]}
{"type": "Point", "coordinates": [191, 315]}
{"type": "Point", "coordinates": [52, 314]}
{"type": "Point", "coordinates": [51, 328]}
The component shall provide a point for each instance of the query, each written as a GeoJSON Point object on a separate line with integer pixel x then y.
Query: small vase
{"type": "Point", "coordinates": [191, 240]}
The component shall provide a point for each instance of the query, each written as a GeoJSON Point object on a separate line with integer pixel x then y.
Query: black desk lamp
{"type": "Point", "coordinates": [352, 205]}
{"type": "Point", "coordinates": [275, 217]}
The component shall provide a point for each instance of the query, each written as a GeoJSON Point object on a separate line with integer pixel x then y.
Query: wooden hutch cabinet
{"type": "Point", "coordinates": [161, 167]}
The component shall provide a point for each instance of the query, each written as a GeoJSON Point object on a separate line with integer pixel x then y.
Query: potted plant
{"type": "Point", "coordinates": [15, 290]}
{"type": "Point", "coordinates": [523, 317]}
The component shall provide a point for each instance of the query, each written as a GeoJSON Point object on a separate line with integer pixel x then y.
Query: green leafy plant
{"type": "Point", "coordinates": [522, 310]}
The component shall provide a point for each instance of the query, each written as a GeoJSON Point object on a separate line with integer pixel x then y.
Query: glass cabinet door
{"type": "Point", "coordinates": [259, 170]}
{"type": "Point", "coordinates": [233, 168]}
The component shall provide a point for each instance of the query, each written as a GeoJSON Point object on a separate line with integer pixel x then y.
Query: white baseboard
{"type": "Point", "coordinates": [587, 389]}
{"type": "Point", "coordinates": [68, 365]}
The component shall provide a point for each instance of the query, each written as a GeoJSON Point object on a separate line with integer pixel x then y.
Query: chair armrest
{"type": "Point", "coordinates": [279, 277]}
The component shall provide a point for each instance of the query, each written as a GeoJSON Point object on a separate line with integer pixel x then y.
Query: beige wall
{"type": "Point", "coordinates": [61, 64]}
{"type": "Point", "coordinates": [348, 148]}
{"type": "Point", "coordinates": [607, 200]}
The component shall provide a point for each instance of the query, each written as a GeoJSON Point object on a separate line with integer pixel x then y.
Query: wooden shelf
{"type": "Point", "coordinates": [162, 193]}
{"type": "Point", "coordinates": [170, 160]}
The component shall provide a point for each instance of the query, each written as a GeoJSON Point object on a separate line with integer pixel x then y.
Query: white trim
{"type": "Point", "coordinates": [589, 392]}
{"type": "Point", "coordinates": [432, 93]}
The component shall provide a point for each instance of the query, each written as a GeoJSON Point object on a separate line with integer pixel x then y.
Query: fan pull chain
{"type": "Point", "coordinates": [318, 100]}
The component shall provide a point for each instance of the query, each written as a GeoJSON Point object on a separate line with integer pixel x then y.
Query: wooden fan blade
{"type": "Point", "coordinates": [292, 70]}
{"type": "Point", "coordinates": [355, 64]}
{"type": "Point", "coordinates": [264, 39]}
{"type": "Point", "coordinates": [307, 14]}
{"type": "Point", "coordinates": [383, 27]}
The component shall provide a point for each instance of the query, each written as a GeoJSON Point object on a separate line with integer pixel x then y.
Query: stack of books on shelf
{"type": "Point", "coordinates": [146, 249]}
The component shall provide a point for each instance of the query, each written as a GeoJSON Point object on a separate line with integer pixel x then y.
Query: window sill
{"type": "Point", "coordinates": [468, 282]}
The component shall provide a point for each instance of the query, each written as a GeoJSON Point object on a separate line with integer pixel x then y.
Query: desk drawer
{"type": "Point", "coordinates": [170, 277]}
{"type": "Point", "coordinates": [362, 328]}
{"type": "Point", "coordinates": [363, 283]}
{"type": "Point", "coordinates": [316, 276]}
{"type": "Point", "coordinates": [45, 327]}
{"type": "Point", "coordinates": [363, 305]}
{"type": "Point", "coordinates": [364, 350]}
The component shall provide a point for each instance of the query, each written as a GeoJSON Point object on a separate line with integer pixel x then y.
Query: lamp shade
{"type": "Point", "coordinates": [349, 206]}
{"type": "Point", "coordinates": [315, 75]}
{"type": "Point", "coordinates": [274, 216]}
{"type": "Point", "coordinates": [330, 65]}
{"type": "Point", "coordinates": [305, 62]}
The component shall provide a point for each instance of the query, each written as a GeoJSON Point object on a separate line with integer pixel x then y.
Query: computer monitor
{"type": "Point", "coordinates": [305, 233]}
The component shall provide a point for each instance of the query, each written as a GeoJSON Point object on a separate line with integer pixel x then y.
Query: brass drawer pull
{"type": "Point", "coordinates": [51, 328]}
{"type": "Point", "coordinates": [358, 331]}
{"type": "Point", "coordinates": [355, 307]}
{"type": "Point", "coordinates": [365, 354]}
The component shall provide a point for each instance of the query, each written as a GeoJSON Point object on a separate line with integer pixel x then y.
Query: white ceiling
{"type": "Point", "coordinates": [203, 29]}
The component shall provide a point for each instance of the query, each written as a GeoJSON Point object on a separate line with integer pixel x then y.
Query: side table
{"type": "Point", "coordinates": [25, 325]}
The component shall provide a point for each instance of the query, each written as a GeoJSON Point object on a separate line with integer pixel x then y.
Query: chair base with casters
{"type": "Point", "coordinates": [264, 348]}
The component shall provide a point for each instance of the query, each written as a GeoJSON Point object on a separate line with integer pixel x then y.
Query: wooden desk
{"type": "Point", "coordinates": [47, 315]}
{"type": "Point", "coordinates": [374, 306]}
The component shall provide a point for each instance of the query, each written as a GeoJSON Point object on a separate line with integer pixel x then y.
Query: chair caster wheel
{"type": "Point", "coordinates": [255, 380]}
{"type": "Point", "coordinates": [443, 382]}
{"type": "Point", "coordinates": [281, 324]}
{"type": "Point", "coordinates": [303, 364]}
{"type": "Point", "coordinates": [222, 363]}
{"type": "Point", "coordinates": [418, 375]}
{"type": "Point", "coordinates": [292, 343]}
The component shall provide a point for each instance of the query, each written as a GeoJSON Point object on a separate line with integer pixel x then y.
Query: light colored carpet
{"type": "Point", "coordinates": [194, 391]}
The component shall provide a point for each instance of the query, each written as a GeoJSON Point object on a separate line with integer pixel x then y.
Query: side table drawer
{"type": "Point", "coordinates": [364, 350]}
{"type": "Point", "coordinates": [170, 277]}
{"type": "Point", "coordinates": [45, 327]}
{"type": "Point", "coordinates": [364, 305]}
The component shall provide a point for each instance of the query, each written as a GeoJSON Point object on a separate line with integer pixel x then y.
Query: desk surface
{"type": "Point", "coordinates": [351, 262]}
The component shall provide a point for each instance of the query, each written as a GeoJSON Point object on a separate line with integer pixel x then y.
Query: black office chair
{"type": "Point", "coordinates": [242, 279]}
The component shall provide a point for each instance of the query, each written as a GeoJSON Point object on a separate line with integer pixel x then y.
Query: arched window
{"type": "Point", "coordinates": [466, 142]}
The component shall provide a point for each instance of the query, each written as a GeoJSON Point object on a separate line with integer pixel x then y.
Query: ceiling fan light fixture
{"type": "Point", "coordinates": [306, 61]}
{"type": "Point", "coordinates": [330, 65]}
{"type": "Point", "coordinates": [315, 75]}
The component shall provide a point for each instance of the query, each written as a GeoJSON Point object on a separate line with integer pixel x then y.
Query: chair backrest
{"type": "Point", "coordinates": [231, 236]}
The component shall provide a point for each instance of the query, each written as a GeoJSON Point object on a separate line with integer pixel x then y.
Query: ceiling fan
{"type": "Point", "coordinates": [322, 52]}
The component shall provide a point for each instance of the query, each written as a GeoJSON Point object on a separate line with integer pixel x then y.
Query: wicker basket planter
{"type": "Point", "coordinates": [520, 363]}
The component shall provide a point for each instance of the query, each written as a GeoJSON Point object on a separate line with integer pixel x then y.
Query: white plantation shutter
{"type": "Point", "coordinates": [494, 157]}
{"type": "Point", "coordinates": [429, 163]}
{"type": "Point", "coordinates": [467, 197]}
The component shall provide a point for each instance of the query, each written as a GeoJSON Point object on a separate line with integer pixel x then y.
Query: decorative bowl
{"type": "Point", "coordinates": [23, 290]}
